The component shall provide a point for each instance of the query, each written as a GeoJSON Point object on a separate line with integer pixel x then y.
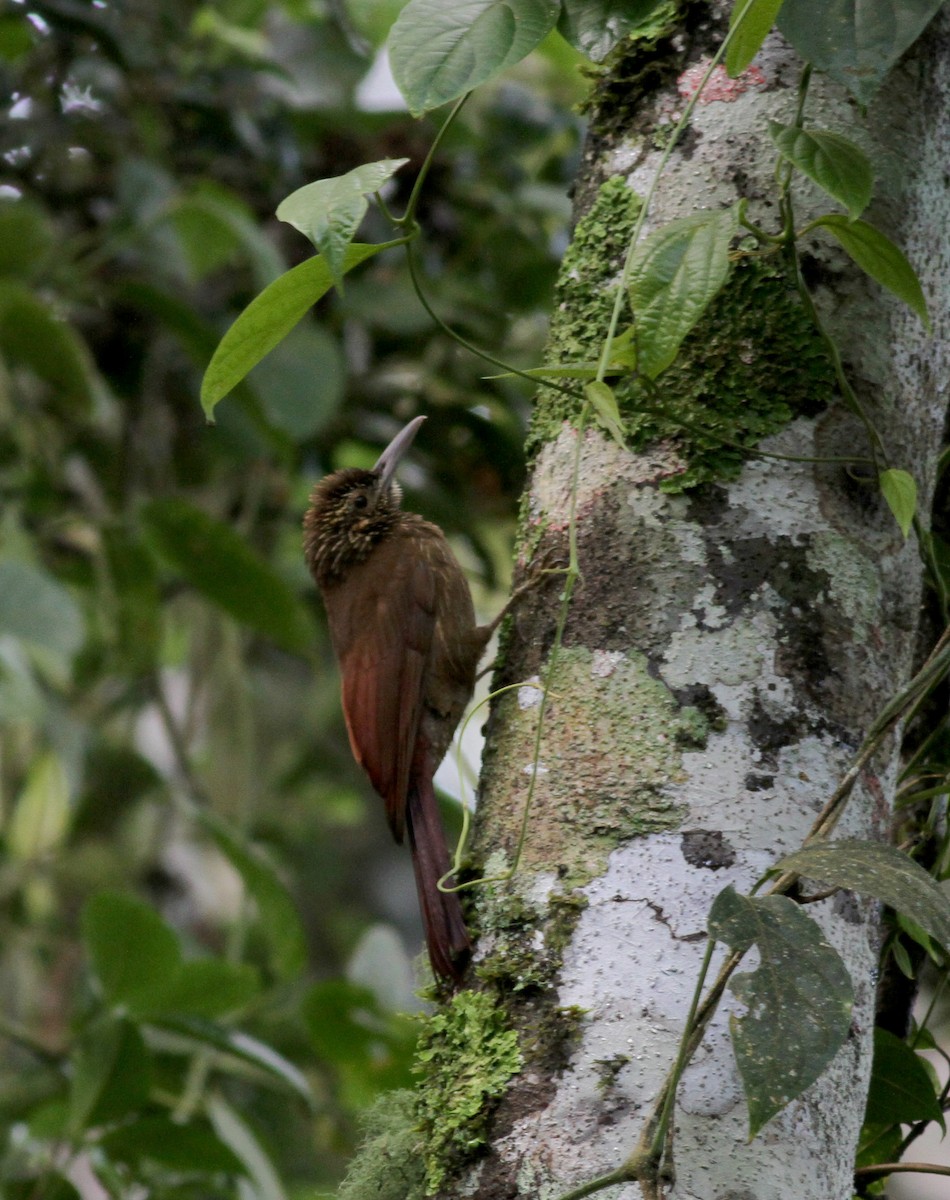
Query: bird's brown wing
{"type": "Point", "coordinates": [383, 636]}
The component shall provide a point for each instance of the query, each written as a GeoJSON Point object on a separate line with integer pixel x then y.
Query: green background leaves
{"type": "Point", "coordinates": [220, 564]}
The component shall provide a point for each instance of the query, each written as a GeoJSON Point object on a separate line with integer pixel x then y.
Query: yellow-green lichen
{"type": "Point", "coordinates": [612, 723]}
{"type": "Point", "coordinates": [584, 297]}
{"type": "Point", "coordinates": [389, 1164]}
{"type": "Point", "coordinates": [467, 1054]}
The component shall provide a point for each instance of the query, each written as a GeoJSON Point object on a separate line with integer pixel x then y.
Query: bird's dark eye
{"type": "Point", "coordinates": [360, 501]}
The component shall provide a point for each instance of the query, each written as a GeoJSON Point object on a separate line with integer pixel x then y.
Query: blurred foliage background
{"type": "Point", "coordinates": [206, 932]}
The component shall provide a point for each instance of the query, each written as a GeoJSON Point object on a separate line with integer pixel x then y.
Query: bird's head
{"type": "Point", "coordinates": [352, 509]}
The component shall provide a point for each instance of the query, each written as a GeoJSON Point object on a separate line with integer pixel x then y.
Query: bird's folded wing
{"type": "Point", "coordinates": [390, 616]}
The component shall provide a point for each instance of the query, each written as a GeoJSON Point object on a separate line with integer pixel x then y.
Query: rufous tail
{"type": "Point", "coordinates": [446, 935]}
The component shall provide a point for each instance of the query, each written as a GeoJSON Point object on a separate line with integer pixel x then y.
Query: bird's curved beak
{"type": "Point", "coordinates": [390, 458]}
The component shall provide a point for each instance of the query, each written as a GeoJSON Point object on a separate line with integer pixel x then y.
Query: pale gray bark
{"type": "Point", "coordinates": [787, 601]}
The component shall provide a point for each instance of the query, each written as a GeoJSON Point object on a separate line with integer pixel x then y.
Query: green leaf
{"type": "Point", "coordinates": [136, 599]}
{"type": "Point", "coordinates": [238, 1136]}
{"type": "Point", "coordinates": [134, 953]}
{"type": "Point", "coordinates": [838, 166]}
{"type": "Point", "coordinates": [110, 1074]}
{"type": "Point", "coordinates": [880, 258]}
{"type": "Point", "coordinates": [239, 1045]}
{"type": "Point", "coordinates": [745, 42]}
{"type": "Point", "coordinates": [191, 1147]}
{"type": "Point", "coordinates": [40, 817]}
{"type": "Point", "coordinates": [215, 226]}
{"type": "Point", "coordinates": [856, 42]}
{"type": "Point", "coordinates": [901, 1090]}
{"type": "Point", "coordinates": [900, 492]}
{"type": "Point", "coordinates": [439, 51]}
{"type": "Point", "coordinates": [595, 26]}
{"type": "Point", "coordinates": [878, 870]}
{"type": "Point", "coordinates": [342, 1020]}
{"type": "Point", "coordinates": [676, 272]}
{"type": "Point", "coordinates": [218, 563]}
{"type": "Point", "coordinates": [15, 39]}
{"type": "Point", "coordinates": [37, 609]}
{"type": "Point", "coordinates": [269, 318]}
{"type": "Point", "coordinates": [205, 987]}
{"type": "Point", "coordinates": [34, 336]}
{"type": "Point", "coordinates": [329, 211]}
{"type": "Point", "coordinates": [878, 1144]}
{"type": "Point", "coordinates": [799, 999]}
{"type": "Point", "coordinates": [301, 383]}
{"type": "Point", "coordinates": [373, 19]}
{"type": "Point", "coordinates": [279, 919]}
{"type": "Point", "coordinates": [604, 403]}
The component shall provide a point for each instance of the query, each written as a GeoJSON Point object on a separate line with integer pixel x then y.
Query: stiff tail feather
{"type": "Point", "coordinates": [446, 935]}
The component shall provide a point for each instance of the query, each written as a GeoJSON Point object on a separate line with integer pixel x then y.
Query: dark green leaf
{"type": "Point", "coordinates": [25, 238]}
{"type": "Point", "coordinates": [604, 403]}
{"type": "Point", "coordinates": [902, 959]}
{"type": "Point", "coordinates": [901, 1089]}
{"type": "Point", "coordinates": [50, 1187]}
{"type": "Point", "coordinates": [111, 1074]}
{"type": "Point", "coordinates": [875, 869]}
{"type": "Point", "coordinates": [676, 272]}
{"type": "Point", "coordinates": [269, 318]}
{"type": "Point", "coordinates": [880, 258]}
{"type": "Point", "coordinates": [278, 915]}
{"type": "Point", "coordinates": [15, 37]}
{"type": "Point", "coordinates": [219, 564]}
{"type": "Point", "coordinates": [757, 19]}
{"type": "Point", "coordinates": [329, 211]}
{"type": "Point", "coordinates": [838, 166]}
{"type": "Point", "coordinates": [856, 42]}
{"type": "Point", "coordinates": [595, 26]}
{"type": "Point", "coordinates": [878, 1144]}
{"type": "Point", "coordinates": [191, 1147]}
{"type": "Point", "coordinates": [799, 999]}
{"type": "Point", "coordinates": [439, 51]}
{"type": "Point", "coordinates": [900, 492]}
{"type": "Point", "coordinates": [133, 952]}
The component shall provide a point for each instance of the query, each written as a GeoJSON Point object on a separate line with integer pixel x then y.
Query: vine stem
{"type": "Point", "coordinates": [896, 1168]}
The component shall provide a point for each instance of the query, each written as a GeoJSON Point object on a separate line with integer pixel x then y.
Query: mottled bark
{"type": "Point", "coordinates": [724, 655]}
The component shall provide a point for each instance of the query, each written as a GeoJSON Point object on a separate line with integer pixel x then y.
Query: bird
{"type": "Point", "coordinates": [403, 629]}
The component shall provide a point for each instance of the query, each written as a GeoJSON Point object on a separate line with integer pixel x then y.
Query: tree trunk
{"type": "Point", "coordinates": [727, 645]}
